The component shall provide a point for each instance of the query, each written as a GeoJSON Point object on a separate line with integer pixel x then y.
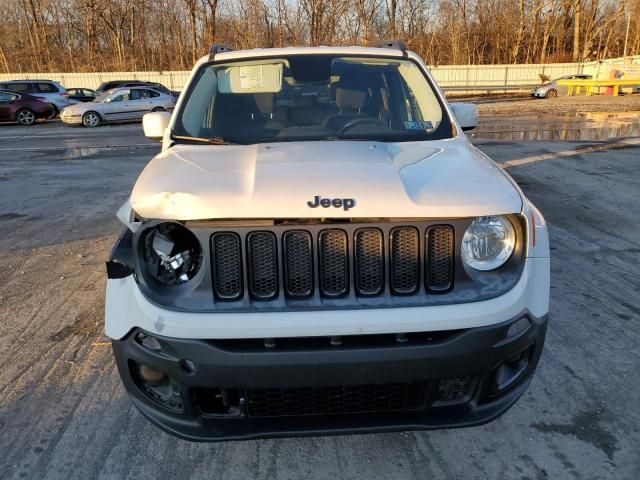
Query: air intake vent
{"type": "Point", "coordinates": [262, 263]}
{"type": "Point", "coordinates": [278, 402]}
{"type": "Point", "coordinates": [334, 263]}
{"type": "Point", "coordinates": [298, 263]}
{"type": "Point", "coordinates": [227, 266]}
{"type": "Point", "coordinates": [405, 260]}
{"type": "Point", "coordinates": [440, 258]}
{"type": "Point", "coordinates": [369, 251]}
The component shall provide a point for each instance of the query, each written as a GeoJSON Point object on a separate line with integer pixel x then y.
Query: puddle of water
{"type": "Point", "coordinates": [580, 127]}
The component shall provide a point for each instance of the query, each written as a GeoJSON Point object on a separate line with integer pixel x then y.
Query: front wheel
{"type": "Point", "coordinates": [25, 117]}
{"type": "Point", "coordinates": [552, 93]}
{"type": "Point", "coordinates": [91, 119]}
{"type": "Point", "coordinates": [158, 109]}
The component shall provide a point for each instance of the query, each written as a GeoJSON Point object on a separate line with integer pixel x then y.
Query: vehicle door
{"type": "Point", "coordinates": [157, 100]}
{"type": "Point", "coordinates": [6, 101]}
{"type": "Point", "coordinates": [116, 106]}
{"type": "Point", "coordinates": [139, 103]}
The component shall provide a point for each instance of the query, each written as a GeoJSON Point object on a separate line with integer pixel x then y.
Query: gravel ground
{"type": "Point", "coordinates": [65, 415]}
{"type": "Point", "coordinates": [489, 105]}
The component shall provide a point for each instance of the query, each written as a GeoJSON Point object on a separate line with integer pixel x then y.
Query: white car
{"type": "Point", "coordinates": [118, 105]}
{"type": "Point", "coordinates": [320, 249]}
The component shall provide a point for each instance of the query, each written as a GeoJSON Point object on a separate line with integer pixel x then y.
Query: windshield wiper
{"type": "Point", "coordinates": [210, 140]}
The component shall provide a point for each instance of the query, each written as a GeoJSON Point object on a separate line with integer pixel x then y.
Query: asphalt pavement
{"type": "Point", "coordinates": [65, 415]}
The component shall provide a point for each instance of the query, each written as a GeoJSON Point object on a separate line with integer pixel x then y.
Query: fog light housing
{"type": "Point", "coordinates": [511, 369]}
{"type": "Point", "coordinates": [158, 386]}
{"type": "Point", "coordinates": [151, 376]}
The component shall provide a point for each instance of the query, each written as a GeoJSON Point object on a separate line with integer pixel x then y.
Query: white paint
{"type": "Point", "coordinates": [127, 308]}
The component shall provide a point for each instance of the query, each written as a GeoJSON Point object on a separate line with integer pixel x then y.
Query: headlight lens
{"type": "Point", "coordinates": [172, 254]}
{"type": "Point", "coordinates": [488, 242]}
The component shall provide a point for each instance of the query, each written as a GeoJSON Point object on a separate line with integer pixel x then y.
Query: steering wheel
{"type": "Point", "coordinates": [358, 121]}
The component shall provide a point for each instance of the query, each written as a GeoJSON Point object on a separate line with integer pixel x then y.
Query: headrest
{"type": "Point", "coordinates": [265, 102]}
{"type": "Point", "coordinates": [351, 91]}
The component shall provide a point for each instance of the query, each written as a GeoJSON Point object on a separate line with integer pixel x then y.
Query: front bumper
{"type": "Point", "coordinates": [71, 119]}
{"type": "Point", "coordinates": [242, 389]}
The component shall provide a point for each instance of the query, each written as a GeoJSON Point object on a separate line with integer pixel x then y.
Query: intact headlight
{"type": "Point", "coordinates": [172, 254]}
{"type": "Point", "coordinates": [488, 242]}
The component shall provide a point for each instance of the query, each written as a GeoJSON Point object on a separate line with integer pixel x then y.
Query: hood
{"type": "Point", "coordinates": [438, 179]}
{"type": "Point", "coordinates": [80, 107]}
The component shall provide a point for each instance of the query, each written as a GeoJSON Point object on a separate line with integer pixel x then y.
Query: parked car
{"type": "Point", "coordinates": [51, 91]}
{"type": "Point", "coordinates": [552, 89]}
{"type": "Point", "coordinates": [135, 83]}
{"type": "Point", "coordinates": [119, 104]}
{"type": "Point", "coordinates": [81, 94]}
{"type": "Point", "coordinates": [320, 249]}
{"type": "Point", "coordinates": [23, 108]}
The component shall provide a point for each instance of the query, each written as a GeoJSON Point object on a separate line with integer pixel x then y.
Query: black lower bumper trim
{"type": "Point", "coordinates": [467, 377]}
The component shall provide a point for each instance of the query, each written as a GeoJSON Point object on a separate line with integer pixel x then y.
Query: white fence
{"type": "Point", "coordinates": [457, 77]}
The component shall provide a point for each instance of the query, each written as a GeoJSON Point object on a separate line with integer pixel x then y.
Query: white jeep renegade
{"type": "Point", "coordinates": [319, 249]}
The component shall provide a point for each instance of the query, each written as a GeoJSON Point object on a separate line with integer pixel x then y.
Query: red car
{"type": "Point", "coordinates": [22, 108]}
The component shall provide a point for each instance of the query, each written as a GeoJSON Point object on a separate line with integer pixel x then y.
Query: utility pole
{"type": "Point", "coordinates": [626, 36]}
{"type": "Point", "coordinates": [576, 30]}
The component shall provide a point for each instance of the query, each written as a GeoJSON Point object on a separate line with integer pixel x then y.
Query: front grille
{"type": "Point", "coordinates": [278, 402]}
{"type": "Point", "coordinates": [405, 260]}
{"type": "Point", "coordinates": [298, 263]}
{"type": "Point", "coordinates": [227, 266]}
{"type": "Point", "coordinates": [263, 265]}
{"type": "Point", "coordinates": [439, 258]}
{"type": "Point", "coordinates": [369, 261]}
{"type": "Point", "coordinates": [334, 263]}
{"type": "Point", "coordinates": [318, 264]}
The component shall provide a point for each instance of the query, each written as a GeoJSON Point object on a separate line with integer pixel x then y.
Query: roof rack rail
{"type": "Point", "coordinates": [219, 48]}
{"type": "Point", "coordinates": [394, 44]}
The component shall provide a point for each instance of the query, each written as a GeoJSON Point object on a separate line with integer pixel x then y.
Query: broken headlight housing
{"type": "Point", "coordinates": [172, 254]}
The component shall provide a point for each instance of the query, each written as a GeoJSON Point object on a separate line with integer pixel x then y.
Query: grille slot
{"type": "Point", "coordinates": [278, 402]}
{"type": "Point", "coordinates": [369, 261]}
{"type": "Point", "coordinates": [227, 266]}
{"type": "Point", "coordinates": [405, 260]}
{"type": "Point", "coordinates": [440, 258]}
{"type": "Point", "coordinates": [334, 263]}
{"type": "Point", "coordinates": [298, 263]}
{"type": "Point", "coordinates": [262, 263]}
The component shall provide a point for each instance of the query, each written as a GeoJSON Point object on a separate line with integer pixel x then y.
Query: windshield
{"type": "Point", "coordinates": [101, 96]}
{"type": "Point", "coordinates": [312, 97]}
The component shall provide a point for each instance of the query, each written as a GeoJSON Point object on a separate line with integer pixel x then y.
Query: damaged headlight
{"type": "Point", "coordinates": [172, 254]}
{"type": "Point", "coordinates": [488, 242]}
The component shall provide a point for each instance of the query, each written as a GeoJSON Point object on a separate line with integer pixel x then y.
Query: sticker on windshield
{"type": "Point", "coordinates": [419, 125]}
{"type": "Point", "coordinates": [250, 77]}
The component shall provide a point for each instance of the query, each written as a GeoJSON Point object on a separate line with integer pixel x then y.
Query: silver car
{"type": "Point", "coordinates": [118, 105]}
{"type": "Point", "coordinates": [552, 89]}
{"type": "Point", "coordinates": [47, 90]}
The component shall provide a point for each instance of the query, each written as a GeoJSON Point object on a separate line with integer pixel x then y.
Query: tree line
{"type": "Point", "coordinates": [152, 35]}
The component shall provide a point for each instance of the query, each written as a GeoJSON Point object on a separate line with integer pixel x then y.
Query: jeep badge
{"type": "Point", "coordinates": [345, 203]}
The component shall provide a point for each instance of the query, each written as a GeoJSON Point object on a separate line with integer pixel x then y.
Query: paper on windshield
{"type": "Point", "coordinates": [254, 78]}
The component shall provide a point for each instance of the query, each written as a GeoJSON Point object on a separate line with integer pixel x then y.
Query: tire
{"type": "Point", "coordinates": [25, 117]}
{"type": "Point", "coordinates": [55, 113]}
{"type": "Point", "coordinates": [158, 109]}
{"type": "Point", "coordinates": [553, 93]}
{"type": "Point", "coordinates": [91, 119]}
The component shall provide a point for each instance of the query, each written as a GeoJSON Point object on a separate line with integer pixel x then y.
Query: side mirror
{"type": "Point", "coordinates": [107, 100]}
{"type": "Point", "coordinates": [466, 114]}
{"type": "Point", "coordinates": [155, 123]}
